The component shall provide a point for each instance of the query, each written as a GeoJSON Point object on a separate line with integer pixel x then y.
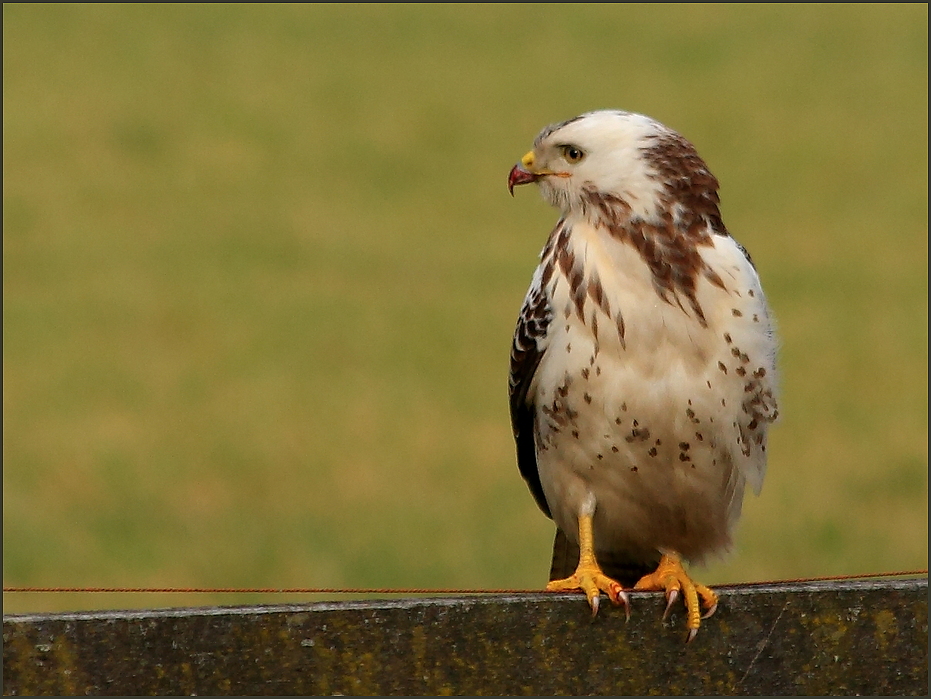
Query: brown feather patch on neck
{"type": "Point", "coordinates": [687, 215]}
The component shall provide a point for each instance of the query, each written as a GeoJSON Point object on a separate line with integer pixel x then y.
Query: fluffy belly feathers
{"type": "Point", "coordinates": [664, 424]}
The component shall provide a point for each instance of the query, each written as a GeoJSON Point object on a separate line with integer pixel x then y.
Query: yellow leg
{"type": "Point", "coordinates": [670, 577]}
{"type": "Point", "coordinates": [589, 577]}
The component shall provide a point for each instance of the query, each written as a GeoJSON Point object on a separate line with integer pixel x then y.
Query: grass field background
{"type": "Point", "coordinates": [260, 274]}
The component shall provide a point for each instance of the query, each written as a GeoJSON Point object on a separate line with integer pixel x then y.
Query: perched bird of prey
{"type": "Point", "coordinates": [643, 377]}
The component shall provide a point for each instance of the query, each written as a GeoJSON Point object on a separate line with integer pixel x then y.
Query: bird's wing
{"type": "Point", "coordinates": [529, 345]}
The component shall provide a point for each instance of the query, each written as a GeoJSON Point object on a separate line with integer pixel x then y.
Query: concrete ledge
{"type": "Point", "coordinates": [861, 637]}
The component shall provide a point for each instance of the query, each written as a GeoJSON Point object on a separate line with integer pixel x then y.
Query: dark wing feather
{"type": "Point", "coordinates": [526, 352]}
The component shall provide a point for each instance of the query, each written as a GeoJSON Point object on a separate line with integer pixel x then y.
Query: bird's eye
{"type": "Point", "coordinates": [572, 154]}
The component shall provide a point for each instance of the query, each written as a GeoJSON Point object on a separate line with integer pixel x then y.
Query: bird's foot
{"type": "Point", "coordinates": [671, 578]}
{"type": "Point", "coordinates": [589, 579]}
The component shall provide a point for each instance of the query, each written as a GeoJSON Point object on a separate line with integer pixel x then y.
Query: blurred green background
{"type": "Point", "coordinates": [260, 274]}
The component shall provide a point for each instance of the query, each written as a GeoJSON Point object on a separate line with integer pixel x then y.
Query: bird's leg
{"type": "Point", "coordinates": [589, 577]}
{"type": "Point", "coordinates": [670, 577]}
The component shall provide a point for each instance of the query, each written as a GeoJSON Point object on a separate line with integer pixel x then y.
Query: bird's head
{"type": "Point", "coordinates": [613, 156]}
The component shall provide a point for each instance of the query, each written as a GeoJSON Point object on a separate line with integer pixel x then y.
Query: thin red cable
{"type": "Point", "coordinates": [406, 590]}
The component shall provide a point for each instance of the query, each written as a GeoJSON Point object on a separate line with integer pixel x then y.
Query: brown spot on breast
{"type": "Point", "coordinates": [652, 451]}
{"type": "Point", "coordinates": [572, 270]}
{"type": "Point", "coordinates": [621, 329]}
{"type": "Point", "coordinates": [587, 397]}
{"type": "Point", "coordinates": [575, 433]}
{"type": "Point", "coordinates": [760, 373]}
{"type": "Point", "coordinates": [713, 277]}
{"type": "Point", "coordinates": [722, 368]}
{"type": "Point", "coordinates": [685, 446]}
{"type": "Point", "coordinates": [585, 373]}
{"type": "Point", "coordinates": [727, 337]}
{"type": "Point", "coordinates": [596, 291]}
{"type": "Point", "coordinates": [740, 371]}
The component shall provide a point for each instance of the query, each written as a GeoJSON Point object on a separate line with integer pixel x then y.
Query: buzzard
{"type": "Point", "coordinates": [643, 367]}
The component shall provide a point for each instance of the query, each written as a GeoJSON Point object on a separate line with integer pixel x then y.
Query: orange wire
{"type": "Point", "coordinates": [406, 590]}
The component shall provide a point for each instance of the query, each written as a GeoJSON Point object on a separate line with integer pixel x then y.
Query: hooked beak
{"type": "Point", "coordinates": [525, 172]}
{"type": "Point", "coordinates": [519, 175]}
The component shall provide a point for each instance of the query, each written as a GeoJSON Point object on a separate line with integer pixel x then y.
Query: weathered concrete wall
{"type": "Point", "coordinates": [808, 639]}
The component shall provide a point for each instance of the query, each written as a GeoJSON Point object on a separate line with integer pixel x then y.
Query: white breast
{"type": "Point", "coordinates": [655, 424]}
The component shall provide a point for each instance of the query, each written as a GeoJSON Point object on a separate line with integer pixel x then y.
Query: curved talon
{"type": "Point", "coordinates": [617, 595]}
{"type": "Point", "coordinates": [671, 597]}
{"type": "Point", "coordinates": [622, 598]}
{"type": "Point", "coordinates": [671, 578]}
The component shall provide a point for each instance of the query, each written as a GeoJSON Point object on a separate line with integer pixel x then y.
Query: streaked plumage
{"type": "Point", "coordinates": [643, 369]}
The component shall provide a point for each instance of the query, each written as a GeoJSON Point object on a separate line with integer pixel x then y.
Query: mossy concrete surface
{"type": "Point", "coordinates": [862, 637]}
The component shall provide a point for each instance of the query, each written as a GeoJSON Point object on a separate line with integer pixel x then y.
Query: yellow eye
{"type": "Point", "coordinates": [572, 154]}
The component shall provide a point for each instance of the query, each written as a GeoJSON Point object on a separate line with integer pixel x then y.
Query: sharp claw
{"type": "Point", "coordinates": [692, 634]}
{"type": "Point", "coordinates": [671, 598]}
{"type": "Point", "coordinates": [711, 611]}
{"type": "Point", "coordinates": [626, 600]}
{"type": "Point", "coordinates": [595, 601]}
